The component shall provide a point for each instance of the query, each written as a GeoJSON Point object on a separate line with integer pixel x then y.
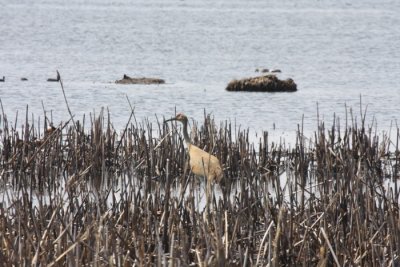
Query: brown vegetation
{"type": "Point", "coordinates": [87, 195]}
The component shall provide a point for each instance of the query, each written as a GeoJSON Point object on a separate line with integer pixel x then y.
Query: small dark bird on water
{"type": "Point", "coordinates": [54, 80]}
{"type": "Point", "coordinates": [201, 162]}
{"type": "Point", "coordinates": [276, 70]}
{"type": "Point", "coordinates": [24, 79]}
{"type": "Point", "coordinates": [3, 80]}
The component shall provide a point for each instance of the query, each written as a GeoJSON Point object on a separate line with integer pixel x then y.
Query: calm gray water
{"type": "Point", "coordinates": [336, 51]}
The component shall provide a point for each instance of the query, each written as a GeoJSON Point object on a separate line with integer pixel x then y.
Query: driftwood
{"type": "Point", "coordinates": [266, 83]}
{"type": "Point", "coordinates": [143, 80]}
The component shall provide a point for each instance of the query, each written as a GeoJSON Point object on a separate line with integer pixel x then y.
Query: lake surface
{"type": "Point", "coordinates": [336, 52]}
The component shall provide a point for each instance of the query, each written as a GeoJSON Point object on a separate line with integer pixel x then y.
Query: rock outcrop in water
{"type": "Point", "coordinates": [143, 80]}
{"type": "Point", "coordinates": [266, 83]}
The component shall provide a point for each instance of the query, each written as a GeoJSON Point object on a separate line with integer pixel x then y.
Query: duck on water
{"type": "Point", "coordinates": [54, 80]}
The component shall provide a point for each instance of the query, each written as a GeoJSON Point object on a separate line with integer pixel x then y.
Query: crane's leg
{"type": "Point", "coordinates": [208, 192]}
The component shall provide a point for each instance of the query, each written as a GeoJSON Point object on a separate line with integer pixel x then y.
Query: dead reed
{"type": "Point", "coordinates": [75, 195]}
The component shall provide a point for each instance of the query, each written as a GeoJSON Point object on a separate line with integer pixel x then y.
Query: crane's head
{"type": "Point", "coordinates": [179, 117]}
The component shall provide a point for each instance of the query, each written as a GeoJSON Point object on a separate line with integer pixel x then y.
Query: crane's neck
{"type": "Point", "coordinates": [185, 132]}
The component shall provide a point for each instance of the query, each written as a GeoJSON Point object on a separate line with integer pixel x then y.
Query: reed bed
{"type": "Point", "coordinates": [80, 193]}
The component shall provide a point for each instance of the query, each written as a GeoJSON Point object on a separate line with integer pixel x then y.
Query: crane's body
{"type": "Point", "coordinates": [201, 163]}
{"type": "Point", "coordinates": [204, 164]}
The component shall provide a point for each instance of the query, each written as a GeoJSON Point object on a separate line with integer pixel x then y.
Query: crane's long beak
{"type": "Point", "coordinates": [172, 119]}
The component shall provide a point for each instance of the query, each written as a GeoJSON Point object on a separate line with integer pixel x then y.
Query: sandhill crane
{"type": "Point", "coordinates": [201, 163]}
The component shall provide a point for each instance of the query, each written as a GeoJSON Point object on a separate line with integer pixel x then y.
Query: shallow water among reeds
{"type": "Point", "coordinates": [308, 179]}
{"type": "Point", "coordinates": [75, 195]}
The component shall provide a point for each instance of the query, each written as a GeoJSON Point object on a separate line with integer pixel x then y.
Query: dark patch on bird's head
{"type": "Point", "coordinates": [179, 117]}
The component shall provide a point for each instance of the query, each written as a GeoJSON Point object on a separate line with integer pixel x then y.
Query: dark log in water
{"type": "Point", "coordinates": [266, 83]}
{"type": "Point", "coordinates": [143, 80]}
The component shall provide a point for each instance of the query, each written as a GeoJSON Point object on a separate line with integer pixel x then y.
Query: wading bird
{"type": "Point", "coordinates": [201, 162]}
